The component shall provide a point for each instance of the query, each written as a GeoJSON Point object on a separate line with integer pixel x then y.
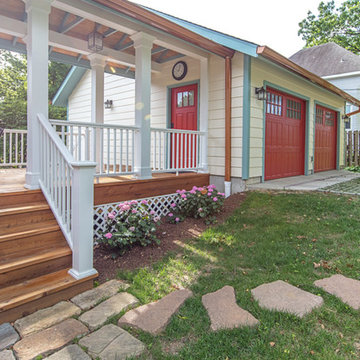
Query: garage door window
{"type": "Point", "coordinates": [319, 115]}
{"type": "Point", "coordinates": [329, 118]}
{"type": "Point", "coordinates": [293, 109]}
{"type": "Point", "coordinates": [274, 104]}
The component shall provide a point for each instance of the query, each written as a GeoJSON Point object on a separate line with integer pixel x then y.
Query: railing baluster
{"type": "Point", "coordinates": [127, 151]}
{"type": "Point", "coordinates": [114, 152]}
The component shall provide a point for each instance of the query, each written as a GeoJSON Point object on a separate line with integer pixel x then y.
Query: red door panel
{"type": "Point", "coordinates": [325, 139]}
{"type": "Point", "coordinates": [284, 135]}
{"type": "Point", "coordinates": [184, 110]}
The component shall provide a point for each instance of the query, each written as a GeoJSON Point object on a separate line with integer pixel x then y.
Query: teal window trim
{"type": "Point", "coordinates": [307, 124]}
{"type": "Point", "coordinates": [246, 117]}
{"type": "Point", "coordinates": [338, 119]}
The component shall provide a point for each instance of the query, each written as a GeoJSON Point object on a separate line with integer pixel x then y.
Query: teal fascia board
{"type": "Point", "coordinates": [246, 118]}
{"type": "Point", "coordinates": [67, 87]}
{"type": "Point", "coordinates": [229, 41]}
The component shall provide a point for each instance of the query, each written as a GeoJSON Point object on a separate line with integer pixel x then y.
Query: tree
{"type": "Point", "coordinates": [13, 88]}
{"type": "Point", "coordinates": [339, 25]}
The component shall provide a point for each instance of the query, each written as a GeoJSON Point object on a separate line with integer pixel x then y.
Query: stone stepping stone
{"type": "Point", "coordinates": [8, 336]}
{"type": "Point", "coordinates": [223, 311]}
{"type": "Point", "coordinates": [154, 317]}
{"type": "Point", "coordinates": [45, 318]}
{"type": "Point", "coordinates": [346, 289]}
{"type": "Point", "coordinates": [113, 306]}
{"type": "Point", "coordinates": [90, 298]}
{"type": "Point", "coordinates": [7, 355]}
{"type": "Point", "coordinates": [71, 352]}
{"type": "Point", "coordinates": [48, 340]}
{"type": "Point", "coordinates": [112, 343]}
{"type": "Point", "coordinates": [281, 296]}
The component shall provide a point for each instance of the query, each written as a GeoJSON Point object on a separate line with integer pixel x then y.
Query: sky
{"type": "Point", "coordinates": [265, 22]}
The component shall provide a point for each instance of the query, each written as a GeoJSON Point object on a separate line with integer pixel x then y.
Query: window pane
{"type": "Point", "coordinates": [185, 98]}
{"type": "Point", "coordinates": [191, 98]}
{"type": "Point", "coordinates": [179, 99]}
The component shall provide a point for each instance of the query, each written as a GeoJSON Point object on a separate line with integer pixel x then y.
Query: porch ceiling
{"type": "Point", "coordinates": [65, 27]}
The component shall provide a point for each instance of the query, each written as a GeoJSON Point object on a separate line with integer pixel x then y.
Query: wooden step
{"type": "Point", "coordinates": [12, 216]}
{"type": "Point", "coordinates": [22, 197]}
{"type": "Point", "coordinates": [28, 296]}
{"type": "Point", "coordinates": [22, 266]}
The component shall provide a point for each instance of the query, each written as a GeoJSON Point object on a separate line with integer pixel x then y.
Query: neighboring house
{"type": "Point", "coordinates": [336, 65]}
{"type": "Point", "coordinates": [186, 100]}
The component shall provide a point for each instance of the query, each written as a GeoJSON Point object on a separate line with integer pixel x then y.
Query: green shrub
{"type": "Point", "coordinates": [355, 168]}
{"type": "Point", "coordinates": [133, 224]}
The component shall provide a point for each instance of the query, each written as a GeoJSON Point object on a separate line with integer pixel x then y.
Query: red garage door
{"type": "Point", "coordinates": [325, 139]}
{"type": "Point", "coordinates": [284, 136]}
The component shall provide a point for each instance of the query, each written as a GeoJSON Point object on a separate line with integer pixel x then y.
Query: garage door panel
{"type": "Point", "coordinates": [325, 139]}
{"type": "Point", "coordinates": [285, 135]}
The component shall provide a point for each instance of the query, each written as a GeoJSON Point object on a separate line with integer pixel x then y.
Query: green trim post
{"type": "Point", "coordinates": [246, 117]}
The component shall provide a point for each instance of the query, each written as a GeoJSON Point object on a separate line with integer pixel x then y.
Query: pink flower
{"type": "Point", "coordinates": [210, 189]}
{"type": "Point", "coordinates": [209, 194]}
{"type": "Point", "coordinates": [173, 205]}
{"type": "Point", "coordinates": [200, 209]}
{"type": "Point", "coordinates": [177, 219]}
{"type": "Point", "coordinates": [221, 194]}
{"type": "Point", "coordinates": [134, 211]}
{"type": "Point", "coordinates": [183, 196]}
{"type": "Point", "coordinates": [144, 202]}
{"type": "Point", "coordinates": [126, 207]}
{"type": "Point", "coordinates": [192, 191]}
{"type": "Point", "coordinates": [133, 202]}
{"type": "Point", "coordinates": [170, 215]}
{"type": "Point", "coordinates": [156, 219]}
{"type": "Point", "coordinates": [108, 235]}
{"type": "Point", "coordinates": [212, 186]}
{"type": "Point", "coordinates": [194, 188]}
{"type": "Point", "coordinates": [132, 228]}
{"type": "Point", "coordinates": [152, 212]}
{"type": "Point", "coordinates": [111, 215]}
{"type": "Point", "coordinates": [215, 199]}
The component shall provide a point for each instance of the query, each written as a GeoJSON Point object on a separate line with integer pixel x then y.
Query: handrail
{"type": "Point", "coordinates": [94, 125]}
{"type": "Point", "coordinates": [179, 131]}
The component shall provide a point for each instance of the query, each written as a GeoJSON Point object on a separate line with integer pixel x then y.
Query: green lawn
{"type": "Point", "coordinates": [269, 237]}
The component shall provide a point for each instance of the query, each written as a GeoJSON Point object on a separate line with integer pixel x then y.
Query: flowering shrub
{"type": "Point", "coordinates": [133, 224]}
{"type": "Point", "coordinates": [199, 202]}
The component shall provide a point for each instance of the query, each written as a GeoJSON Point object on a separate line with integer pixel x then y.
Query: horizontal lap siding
{"type": "Point", "coordinates": [263, 71]}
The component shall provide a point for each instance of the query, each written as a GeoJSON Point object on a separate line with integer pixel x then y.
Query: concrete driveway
{"type": "Point", "coordinates": [313, 182]}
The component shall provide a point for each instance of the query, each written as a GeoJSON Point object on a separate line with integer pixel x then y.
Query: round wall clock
{"type": "Point", "coordinates": [179, 70]}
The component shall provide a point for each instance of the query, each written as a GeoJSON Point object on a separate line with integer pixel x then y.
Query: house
{"type": "Point", "coordinates": [338, 66]}
{"type": "Point", "coordinates": [189, 106]}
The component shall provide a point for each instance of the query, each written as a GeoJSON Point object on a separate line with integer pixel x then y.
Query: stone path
{"type": "Point", "coordinates": [351, 187]}
{"type": "Point", "coordinates": [281, 296]}
{"type": "Point", "coordinates": [223, 311]}
{"type": "Point", "coordinates": [154, 317]}
{"type": "Point", "coordinates": [347, 290]}
{"type": "Point", "coordinates": [52, 332]}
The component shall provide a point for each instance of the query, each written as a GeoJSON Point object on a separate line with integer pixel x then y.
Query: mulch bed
{"type": "Point", "coordinates": [171, 236]}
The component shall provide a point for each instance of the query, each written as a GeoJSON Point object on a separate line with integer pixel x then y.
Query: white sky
{"type": "Point", "coordinates": [265, 22]}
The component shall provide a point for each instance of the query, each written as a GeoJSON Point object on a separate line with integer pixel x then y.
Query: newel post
{"type": "Point", "coordinates": [143, 44]}
{"type": "Point", "coordinates": [82, 212]}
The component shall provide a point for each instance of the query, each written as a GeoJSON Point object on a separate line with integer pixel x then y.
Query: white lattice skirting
{"type": "Point", "coordinates": [159, 204]}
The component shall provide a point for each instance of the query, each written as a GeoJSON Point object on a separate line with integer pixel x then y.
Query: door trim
{"type": "Point", "coordinates": [168, 101]}
{"type": "Point", "coordinates": [307, 124]}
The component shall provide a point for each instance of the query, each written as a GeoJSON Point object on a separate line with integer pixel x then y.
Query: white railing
{"type": "Point", "coordinates": [110, 146]}
{"type": "Point", "coordinates": [13, 147]}
{"type": "Point", "coordinates": [175, 150]}
{"type": "Point", "coordinates": [68, 186]}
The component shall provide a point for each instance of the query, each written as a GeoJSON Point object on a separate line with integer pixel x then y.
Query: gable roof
{"type": "Point", "coordinates": [327, 59]}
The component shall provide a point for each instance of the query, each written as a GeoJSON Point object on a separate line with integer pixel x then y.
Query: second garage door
{"type": "Point", "coordinates": [284, 135]}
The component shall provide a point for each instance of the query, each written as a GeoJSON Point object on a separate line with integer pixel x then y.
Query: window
{"type": "Point", "coordinates": [293, 109]}
{"type": "Point", "coordinates": [274, 104]}
{"type": "Point", "coordinates": [185, 98]}
{"type": "Point", "coordinates": [329, 118]}
{"type": "Point", "coordinates": [348, 124]}
{"type": "Point", "coordinates": [319, 115]}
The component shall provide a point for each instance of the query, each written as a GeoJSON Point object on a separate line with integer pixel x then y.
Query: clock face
{"type": "Point", "coordinates": [179, 70]}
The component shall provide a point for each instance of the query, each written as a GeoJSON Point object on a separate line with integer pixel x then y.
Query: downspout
{"type": "Point", "coordinates": [228, 87]}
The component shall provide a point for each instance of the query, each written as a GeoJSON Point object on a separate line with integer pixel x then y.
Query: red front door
{"type": "Point", "coordinates": [325, 139]}
{"type": "Point", "coordinates": [184, 110]}
{"type": "Point", "coordinates": [284, 135]}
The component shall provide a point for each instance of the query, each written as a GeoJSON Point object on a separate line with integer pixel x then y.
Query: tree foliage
{"type": "Point", "coordinates": [13, 89]}
{"type": "Point", "coordinates": [340, 25]}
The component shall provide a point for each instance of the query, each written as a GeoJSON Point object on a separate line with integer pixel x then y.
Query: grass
{"type": "Point", "coordinates": [269, 237]}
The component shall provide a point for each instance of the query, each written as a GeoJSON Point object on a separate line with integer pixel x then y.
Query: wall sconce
{"type": "Point", "coordinates": [108, 104]}
{"type": "Point", "coordinates": [261, 93]}
{"type": "Point", "coordinates": [95, 41]}
{"type": "Point", "coordinates": [346, 118]}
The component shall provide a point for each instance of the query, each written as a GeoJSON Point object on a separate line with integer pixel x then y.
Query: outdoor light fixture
{"type": "Point", "coordinates": [95, 41]}
{"type": "Point", "coordinates": [108, 104]}
{"type": "Point", "coordinates": [261, 93]}
{"type": "Point", "coordinates": [346, 118]}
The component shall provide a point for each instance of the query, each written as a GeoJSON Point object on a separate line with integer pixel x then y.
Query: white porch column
{"type": "Point", "coordinates": [143, 44]}
{"type": "Point", "coordinates": [204, 113]}
{"type": "Point", "coordinates": [97, 63]}
{"type": "Point", "coordinates": [37, 40]}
